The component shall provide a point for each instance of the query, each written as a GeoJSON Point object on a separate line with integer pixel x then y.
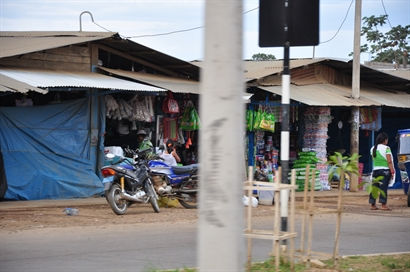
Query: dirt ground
{"type": "Point", "coordinates": [16, 216]}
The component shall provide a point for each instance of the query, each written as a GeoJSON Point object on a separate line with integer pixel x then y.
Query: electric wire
{"type": "Point", "coordinates": [385, 12]}
{"type": "Point", "coordinates": [340, 27]}
{"type": "Point", "coordinates": [248, 11]}
{"type": "Point", "coordinates": [102, 27]}
{"type": "Point", "coordinates": [167, 33]}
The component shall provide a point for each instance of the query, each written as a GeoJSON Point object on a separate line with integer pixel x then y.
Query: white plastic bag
{"type": "Point", "coordinates": [392, 180]}
{"type": "Point", "coordinates": [254, 201]}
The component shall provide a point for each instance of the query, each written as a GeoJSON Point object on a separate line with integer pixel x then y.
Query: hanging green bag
{"type": "Point", "coordinates": [267, 122]}
{"type": "Point", "coordinates": [190, 119]}
{"type": "Point", "coordinates": [249, 120]}
{"type": "Point", "coordinates": [257, 119]}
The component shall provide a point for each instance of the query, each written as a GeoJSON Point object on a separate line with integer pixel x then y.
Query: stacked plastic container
{"type": "Point", "coordinates": [315, 138]}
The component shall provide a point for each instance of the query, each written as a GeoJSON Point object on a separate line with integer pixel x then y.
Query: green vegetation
{"type": "Point", "coordinates": [389, 46]}
{"type": "Point", "coordinates": [372, 188]}
{"type": "Point", "coordinates": [263, 57]}
{"type": "Point", "coordinates": [382, 263]}
{"type": "Point", "coordinates": [343, 164]}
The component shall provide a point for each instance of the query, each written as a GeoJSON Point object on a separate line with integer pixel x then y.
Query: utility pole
{"type": "Point", "coordinates": [285, 133]}
{"type": "Point", "coordinates": [354, 135]}
{"type": "Point", "coordinates": [221, 246]}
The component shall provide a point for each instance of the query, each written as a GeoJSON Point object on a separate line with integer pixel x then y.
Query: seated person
{"type": "Point", "coordinates": [170, 155]}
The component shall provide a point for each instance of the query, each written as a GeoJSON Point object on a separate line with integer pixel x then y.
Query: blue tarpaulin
{"type": "Point", "coordinates": [46, 151]}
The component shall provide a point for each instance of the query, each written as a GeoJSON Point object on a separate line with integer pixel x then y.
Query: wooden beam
{"type": "Point", "coordinates": [138, 60]}
{"type": "Point", "coordinates": [93, 55]}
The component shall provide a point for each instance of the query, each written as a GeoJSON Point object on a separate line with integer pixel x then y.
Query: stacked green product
{"type": "Point", "coordinates": [305, 159]}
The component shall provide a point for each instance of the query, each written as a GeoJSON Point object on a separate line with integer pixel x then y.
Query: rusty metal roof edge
{"type": "Point", "coordinates": [44, 34]}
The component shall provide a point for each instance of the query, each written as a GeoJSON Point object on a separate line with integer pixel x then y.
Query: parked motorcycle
{"type": "Point", "coordinates": [179, 182]}
{"type": "Point", "coordinates": [128, 181]}
{"type": "Point", "coordinates": [175, 182]}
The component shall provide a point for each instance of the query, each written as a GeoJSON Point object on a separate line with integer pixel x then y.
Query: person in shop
{"type": "Point", "coordinates": [170, 155]}
{"type": "Point", "coordinates": [382, 166]}
{"type": "Point", "coordinates": [143, 143]}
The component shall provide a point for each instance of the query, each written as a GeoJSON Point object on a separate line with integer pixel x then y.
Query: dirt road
{"type": "Point", "coordinates": [25, 215]}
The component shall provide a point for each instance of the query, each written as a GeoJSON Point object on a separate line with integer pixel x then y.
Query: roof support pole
{"type": "Point", "coordinates": [354, 136]}
{"type": "Point", "coordinates": [221, 246]}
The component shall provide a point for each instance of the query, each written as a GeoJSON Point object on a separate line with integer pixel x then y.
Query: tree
{"type": "Point", "coordinates": [340, 165]}
{"type": "Point", "coordinates": [390, 46]}
{"type": "Point", "coordinates": [263, 57]}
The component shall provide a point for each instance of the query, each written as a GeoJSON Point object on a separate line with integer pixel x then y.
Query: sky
{"type": "Point", "coordinates": [137, 18]}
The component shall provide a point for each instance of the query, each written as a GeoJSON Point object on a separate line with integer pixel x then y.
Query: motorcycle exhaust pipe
{"type": "Point", "coordinates": [188, 191]}
{"type": "Point", "coordinates": [132, 198]}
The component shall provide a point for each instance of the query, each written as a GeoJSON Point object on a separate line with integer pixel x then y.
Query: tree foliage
{"type": "Point", "coordinates": [389, 46]}
{"type": "Point", "coordinates": [263, 57]}
{"type": "Point", "coordinates": [340, 164]}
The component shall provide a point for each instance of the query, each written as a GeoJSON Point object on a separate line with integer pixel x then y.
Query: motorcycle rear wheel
{"type": "Point", "coordinates": [113, 196]}
{"type": "Point", "coordinates": [189, 204]}
{"type": "Point", "coordinates": [191, 200]}
{"type": "Point", "coordinates": [153, 197]}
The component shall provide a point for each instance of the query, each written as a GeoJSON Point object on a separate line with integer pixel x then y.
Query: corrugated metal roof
{"type": "Point", "coordinates": [175, 85]}
{"type": "Point", "coordinates": [322, 95]}
{"type": "Point", "coordinates": [139, 51]}
{"type": "Point", "coordinates": [47, 78]}
{"type": "Point", "coordinates": [388, 98]}
{"type": "Point", "coordinates": [18, 43]}
{"type": "Point", "coordinates": [335, 95]}
{"type": "Point", "coordinates": [260, 69]}
{"type": "Point", "coordinates": [8, 84]}
{"type": "Point", "coordinates": [402, 73]}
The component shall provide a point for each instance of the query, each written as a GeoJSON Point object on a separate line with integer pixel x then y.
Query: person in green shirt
{"type": "Point", "coordinates": [143, 142]}
{"type": "Point", "coordinates": [382, 166]}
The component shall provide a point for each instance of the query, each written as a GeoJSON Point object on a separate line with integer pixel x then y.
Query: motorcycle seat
{"type": "Point", "coordinates": [184, 169]}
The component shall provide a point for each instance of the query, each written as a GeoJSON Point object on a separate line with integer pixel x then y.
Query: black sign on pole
{"type": "Point", "coordinates": [302, 22]}
{"type": "Point", "coordinates": [287, 23]}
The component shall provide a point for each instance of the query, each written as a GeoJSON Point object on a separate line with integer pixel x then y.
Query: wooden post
{"type": "Point", "coordinates": [292, 221]}
{"type": "Point", "coordinates": [249, 219]}
{"type": "Point", "coordinates": [354, 147]}
{"type": "Point", "coordinates": [339, 217]}
{"type": "Point", "coordinates": [276, 225]}
{"type": "Point", "coordinates": [311, 207]}
{"type": "Point", "coordinates": [354, 135]}
{"type": "Point", "coordinates": [304, 218]}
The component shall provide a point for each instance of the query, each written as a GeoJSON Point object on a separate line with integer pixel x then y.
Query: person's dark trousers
{"type": "Point", "coordinates": [384, 183]}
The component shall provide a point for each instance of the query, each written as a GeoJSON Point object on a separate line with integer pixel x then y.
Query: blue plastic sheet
{"type": "Point", "coordinates": [46, 151]}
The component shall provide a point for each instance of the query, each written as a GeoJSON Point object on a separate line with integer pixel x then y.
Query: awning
{"type": "Point", "coordinates": [13, 43]}
{"type": "Point", "coordinates": [387, 98]}
{"type": "Point", "coordinates": [175, 85]}
{"type": "Point", "coordinates": [48, 78]}
{"type": "Point", "coordinates": [8, 84]}
{"type": "Point", "coordinates": [322, 95]}
{"type": "Point", "coordinates": [335, 95]}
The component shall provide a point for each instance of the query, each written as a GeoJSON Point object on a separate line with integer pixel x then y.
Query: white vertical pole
{"type": "Point", "coordinates": [220, 237]}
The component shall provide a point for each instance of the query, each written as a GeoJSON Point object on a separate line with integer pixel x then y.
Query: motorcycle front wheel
{"type": "Point", "coordinates": [113, 196]}
{"type": "Point", "coordinates": [153, 197]}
